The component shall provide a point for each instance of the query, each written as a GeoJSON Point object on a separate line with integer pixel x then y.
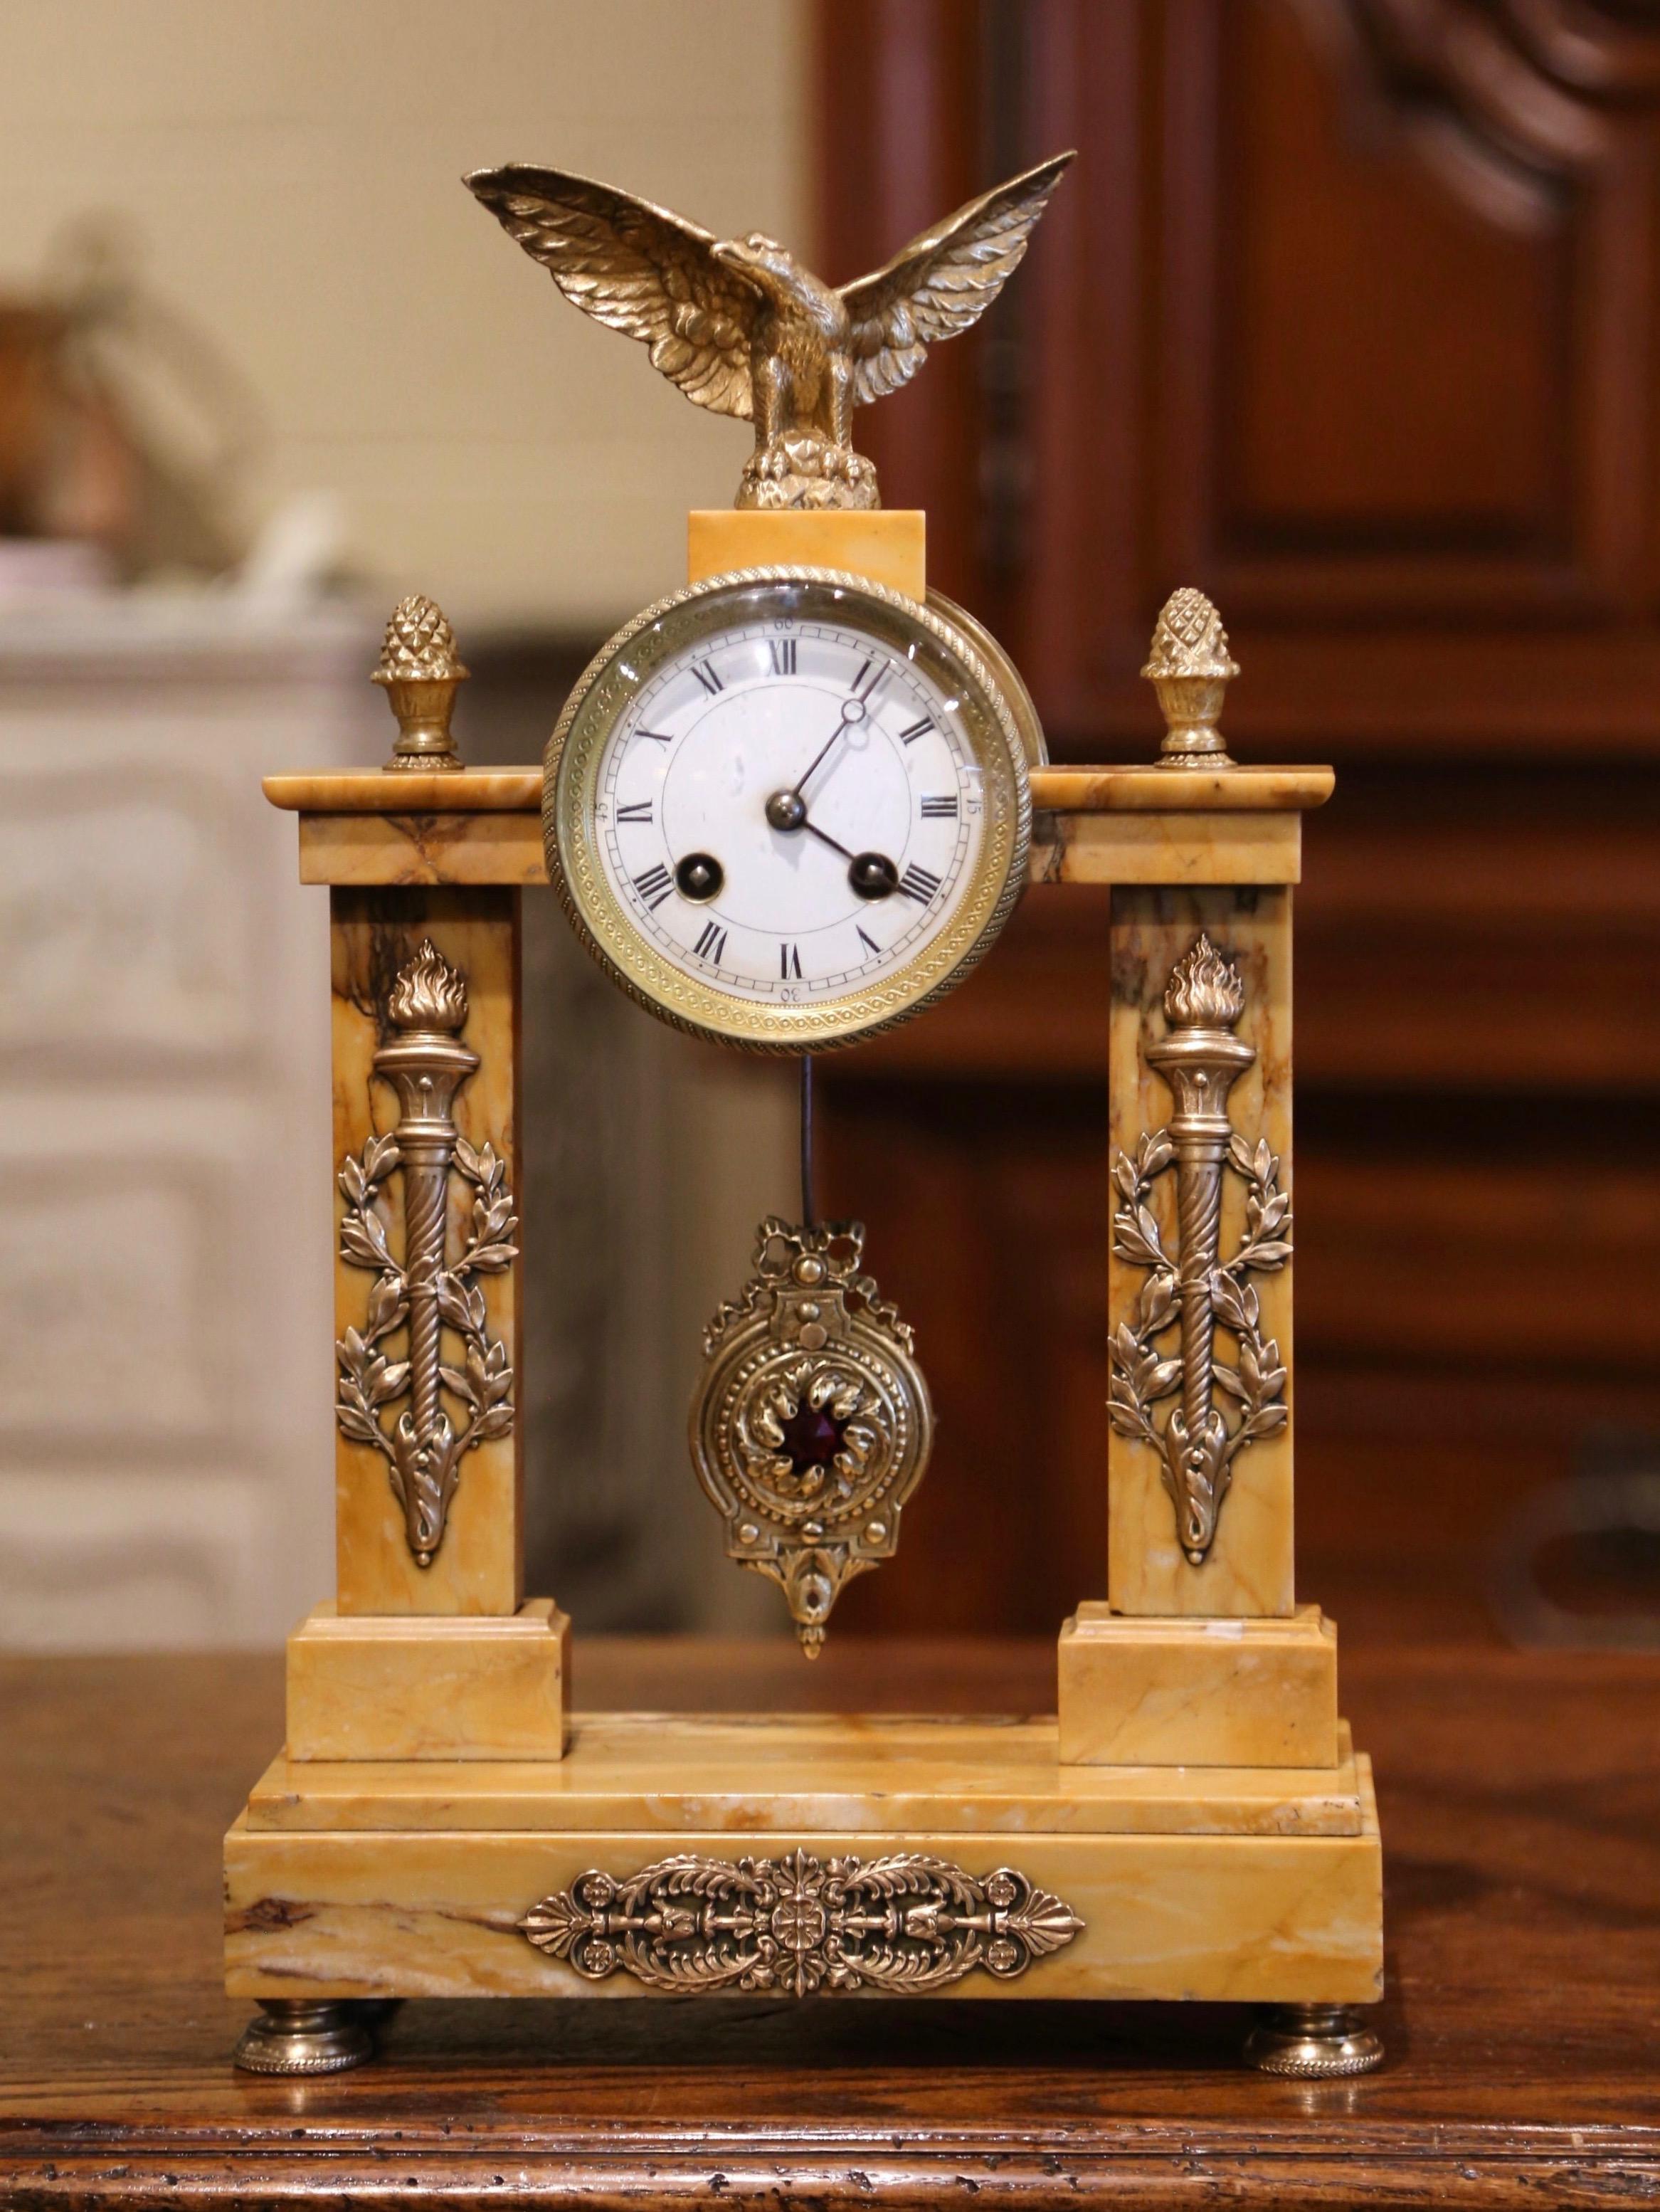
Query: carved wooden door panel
{"type": "Point", "coordinates": [1346, 314]}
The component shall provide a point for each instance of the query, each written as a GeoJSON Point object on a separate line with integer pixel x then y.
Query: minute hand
{"type": "Point", "coordinates": [834, 737]}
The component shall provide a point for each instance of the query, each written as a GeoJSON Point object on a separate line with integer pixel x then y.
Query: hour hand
{"type": "Point", "coordinates": [825, 838]}
{"type": "Point", "coordinates": [872, 875]}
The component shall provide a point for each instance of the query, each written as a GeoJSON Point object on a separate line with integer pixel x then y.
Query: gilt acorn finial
{"type": "Point", "coordinates": [420, 668]}
{"type": "Point", "coordinates": [1189, 666]}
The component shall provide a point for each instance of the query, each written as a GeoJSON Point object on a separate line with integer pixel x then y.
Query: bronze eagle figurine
{"type": "Point", "coordinates": [741, 326]}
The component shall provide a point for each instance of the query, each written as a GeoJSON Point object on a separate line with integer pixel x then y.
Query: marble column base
{"type": "Point", "coordinates": [437, 1687]}
{"type": "Point", "coordinates": [1140, 1690]}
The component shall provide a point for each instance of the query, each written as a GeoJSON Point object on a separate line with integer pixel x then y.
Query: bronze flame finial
{"type": "Point", "coordinates": [429, 994]}
{"type": "Point", "coordinates": [1189, 666]}
{"type": "Point", "coordinates": [1203, 990]}
{"type": "Point", "coordinates": [419, 668]}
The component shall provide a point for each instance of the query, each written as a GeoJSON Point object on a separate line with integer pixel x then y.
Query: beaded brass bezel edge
{"type": "Point", "coordinates": [607, 931]}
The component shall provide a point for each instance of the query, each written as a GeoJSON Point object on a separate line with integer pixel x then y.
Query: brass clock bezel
{"type": "Point", "coordinates": [606, 928]}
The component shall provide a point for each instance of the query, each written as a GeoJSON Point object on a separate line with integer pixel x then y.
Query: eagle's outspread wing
{"type": "Point", "coordinates": [942, 282]}
{"type": "Point", "coordinates": [637, 269]}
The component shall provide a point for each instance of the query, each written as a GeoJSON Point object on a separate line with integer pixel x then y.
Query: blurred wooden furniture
{"type": "Point", "coordinates": [1523, 1916]}
{"type": "Point", "coordinates": [163, 1144]}
{"type": "Point", "coordinates": [1348, 314]}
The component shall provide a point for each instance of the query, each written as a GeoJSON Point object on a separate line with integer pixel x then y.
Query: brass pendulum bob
{"type": "Point", "coordinates": [811, 1424]}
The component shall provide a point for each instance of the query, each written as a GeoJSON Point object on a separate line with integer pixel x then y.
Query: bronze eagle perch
{"type": "Point", "coordinates": [742, 327]}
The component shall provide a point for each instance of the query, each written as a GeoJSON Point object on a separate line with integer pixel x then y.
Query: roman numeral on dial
{"type": "Point", "coordinates": [655, 885]}
{"type": "Point", "coordinates": [869, 676]}
{"type": "Point", "coordinates": [940, 809]}
{"type": "Point", "coordinates": [783, 656]}
{"type": "Point", "coordinates": [639, 810]}
{"type": "Point", "coordinates": [657, 737]}
{"type": "Point", "coordinates": [788, 962]}
{"type": "Point", "coordinates": [712, 945]}
{"type": "Point", "coordinates": [918, 884]}
{"type": "Point", "coordinates": [869, 942]}
{"type": "Point", "coordinates": [917, 730]}
{"type": "Point", "coordinates": [707, 676]}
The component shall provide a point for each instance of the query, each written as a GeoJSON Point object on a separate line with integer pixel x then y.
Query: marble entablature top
{"type": "Point", "coordinates": [1137, 789]}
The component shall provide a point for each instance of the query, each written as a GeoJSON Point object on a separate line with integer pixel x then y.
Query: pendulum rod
{"type": "Point", "coordinates": [809, 1215]}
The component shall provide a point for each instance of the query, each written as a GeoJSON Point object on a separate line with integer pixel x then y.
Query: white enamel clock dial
{"type": "Point", "coordinates": [787, 810]}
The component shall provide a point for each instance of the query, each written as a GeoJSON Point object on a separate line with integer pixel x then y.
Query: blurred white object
{"type": "Point", "coordinates": [166, 1448]}
{"type": "Point", "coordinates": [297, 552]}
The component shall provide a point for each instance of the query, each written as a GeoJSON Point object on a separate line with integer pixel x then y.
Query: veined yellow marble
{"type": "Point", "coordinates": [1190, 1694]}
{"type": "Point", "coordinates": [379, 1913]}
{"type": "Point", "coordinates": [422, 848]}
{"type": "Point", "coordinates": [498, 846]}
{"type": "Point", "coordinates": [1135, 788]}
{"type": "Point", "coordinates": [478, 1566]}
{"type": "Point", "coordinates": [407, 791]}
{"type": "Point", "coordinates": [1147, 788]}
{"type": "Point", "coordinates": [1134, 824]}
{"type": "Point", "coordinates": [1175, 848]}
{"type": "Point", "coordinates": [854, 1773]}
{"type": "Point", "coordinates": [888, 545]}
{"type": "Point", "coordinates": [1249, 1567]}
{"type": "Point", "coordinates": [407, 1686]}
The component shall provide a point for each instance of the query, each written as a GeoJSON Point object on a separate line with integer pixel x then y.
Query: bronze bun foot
{"type": "Point", "coordinates": [311, 2035]}
{"type": "Point", "coordinates": [1312, 2042]}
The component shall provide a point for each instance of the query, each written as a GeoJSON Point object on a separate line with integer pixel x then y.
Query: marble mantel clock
{"type": "Point", "coordinates": [789, 805]}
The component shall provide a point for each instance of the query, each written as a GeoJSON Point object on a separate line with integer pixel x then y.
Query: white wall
{"type": "Point", "coordinates": [289, 170]}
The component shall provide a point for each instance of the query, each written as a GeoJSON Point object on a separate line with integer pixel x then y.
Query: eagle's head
{"type": "Point", "coordinates": [762, 261]}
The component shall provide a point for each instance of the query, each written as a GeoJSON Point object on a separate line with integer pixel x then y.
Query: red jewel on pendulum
{"type": "Point", "coordinates": [811, 1438]}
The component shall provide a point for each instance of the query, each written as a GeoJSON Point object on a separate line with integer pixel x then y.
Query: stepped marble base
{"type": "Point", "coordinates": [451, 1879]}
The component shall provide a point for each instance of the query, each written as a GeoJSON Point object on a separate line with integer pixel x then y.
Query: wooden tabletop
{"type": "Point", "coordinates": [1520, 1796]}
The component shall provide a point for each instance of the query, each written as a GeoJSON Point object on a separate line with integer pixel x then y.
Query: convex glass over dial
{"type": "Point", "coordinates": [787, 809]}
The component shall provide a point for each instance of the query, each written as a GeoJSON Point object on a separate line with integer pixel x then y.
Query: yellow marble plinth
{"type": "Point", "coordinates": [402, 1687]}
{"type": "Point", "coordinates": [1189, 1694]}
{"type": "Point", "coordinates": [1257, 1918]}
{"type": "Point", "coordinates": [888, 545]}
{"type": "Point", "coordinates": [478, 1567]}
{"type": "Point", "coordinates": [409, 1878]}
{"type": "Point", "coordinates": [1248, 1569]}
